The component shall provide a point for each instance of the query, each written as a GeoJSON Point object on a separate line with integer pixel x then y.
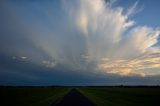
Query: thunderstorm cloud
{"type": "Point", "coordinates": [87, 37]}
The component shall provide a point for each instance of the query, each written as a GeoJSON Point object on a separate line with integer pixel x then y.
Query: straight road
{"type": "Point", "coordinates": [75, 98]}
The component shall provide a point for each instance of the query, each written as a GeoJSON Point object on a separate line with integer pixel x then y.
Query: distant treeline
{"type": "Point", "coordinates": [129, 86]}
{"type": "Point", "coordinates": [116, 86]}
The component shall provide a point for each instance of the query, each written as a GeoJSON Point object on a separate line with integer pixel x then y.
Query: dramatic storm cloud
{"type": "Point", "coordinates": [63, 39]}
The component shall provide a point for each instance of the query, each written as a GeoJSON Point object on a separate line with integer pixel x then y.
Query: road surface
{"type": "Point", "coordinates": [74, 98]}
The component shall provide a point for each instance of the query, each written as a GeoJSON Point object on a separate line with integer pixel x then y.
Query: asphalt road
{"type": "Point", "coordinates": [75, 98]}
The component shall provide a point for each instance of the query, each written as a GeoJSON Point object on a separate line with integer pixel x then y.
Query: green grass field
{"type": "Point", "coordinates": [123, 96]}
{"type": "Point", "coordinates": [34, 96]}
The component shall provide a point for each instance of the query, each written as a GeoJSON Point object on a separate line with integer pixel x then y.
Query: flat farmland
{"type": "Point", "coordinates": [122, 96]}
{"type": "Point", "coordinates": [79, 96]}
{"type": "Point", "coordinates": [31, 96]}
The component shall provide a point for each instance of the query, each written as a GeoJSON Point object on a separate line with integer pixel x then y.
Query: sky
{"type": "Point", "coordinates": [79, 42]}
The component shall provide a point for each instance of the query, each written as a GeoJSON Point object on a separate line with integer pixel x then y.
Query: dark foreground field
{"type": "Point", "coordinates": [123, 96]}
{"type": "Point", "coordinates": [31, 96]}
{"type": "Point", "coordinates": [79, 96]}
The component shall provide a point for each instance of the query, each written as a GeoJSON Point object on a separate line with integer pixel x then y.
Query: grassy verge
{"type": "Point", "coordinates": [35, 96]}
{"type": "Point", "coordinates": [123, 96]}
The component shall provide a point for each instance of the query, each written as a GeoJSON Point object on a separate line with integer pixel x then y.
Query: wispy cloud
{"type": "Point", "coordinates": [132, 66]}
{"type": "Point", "coordinates": [23, 57]}
{"type": "Point", "coordinates": [49, 64]}
{"type": "Point", "coordinates": [133, 9]}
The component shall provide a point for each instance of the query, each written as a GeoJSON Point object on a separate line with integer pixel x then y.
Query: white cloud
{"type": "Point", "coordinates": [78, 33]}
{"type": "Point", "coordinates": [104, 27]}
{"type": "Point", "coordinates": [49, 64]}
{"type": "Point", "coordinates": [132, 9]}
{"type": "Point", "coordinates": [23, 57]}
